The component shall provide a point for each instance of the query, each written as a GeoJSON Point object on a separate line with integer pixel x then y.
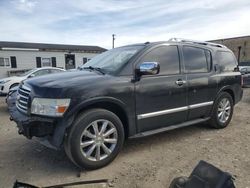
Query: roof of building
{"type": "Point", "coordinates": [222, 39]}
{"type": "Point", "coordinates": [50, 47]}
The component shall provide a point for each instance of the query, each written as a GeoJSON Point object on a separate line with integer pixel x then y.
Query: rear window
{"type": "Point", "coordinates": [226, 61]}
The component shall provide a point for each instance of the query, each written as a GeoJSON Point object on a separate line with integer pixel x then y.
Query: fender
{"type": "Point", "coordinates": [95, 100]}
{"type": "Point", "coordinates": [57, 139]}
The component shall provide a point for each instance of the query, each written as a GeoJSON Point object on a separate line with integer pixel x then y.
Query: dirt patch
{"type": "Point", "coordinates": [147, 162]}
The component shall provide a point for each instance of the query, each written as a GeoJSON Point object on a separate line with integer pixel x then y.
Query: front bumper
{"type": "Point", "coordinates": [31, 126]}
{"type": "Point", "coordinates": [50, 131]}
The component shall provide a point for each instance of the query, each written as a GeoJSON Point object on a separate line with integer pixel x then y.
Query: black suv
{"type": "Point", "coordinates": [129, 92]}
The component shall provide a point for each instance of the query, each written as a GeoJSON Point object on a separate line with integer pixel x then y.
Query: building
{"type": "Point", "coordinates": [240, 47]}
{"type": "Point", "coordinates": [16, 57]}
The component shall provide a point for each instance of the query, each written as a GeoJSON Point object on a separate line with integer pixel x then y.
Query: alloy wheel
{"type": "Point", "coordinates": [98, 140]}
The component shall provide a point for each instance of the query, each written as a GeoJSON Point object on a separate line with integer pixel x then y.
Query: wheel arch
{"type": "Point", "coordinates": [110, 104]}
{"type": "Point", "coordinates": [229, 90]}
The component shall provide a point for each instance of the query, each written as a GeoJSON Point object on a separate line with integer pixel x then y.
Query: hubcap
{"type": "Point", "coordinates": [224, 110]}
{"type": "Point", "coordinates": [98, 140]}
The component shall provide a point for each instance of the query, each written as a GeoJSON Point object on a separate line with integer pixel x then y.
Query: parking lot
{"type": "Point", "coordinates": [147, 162]}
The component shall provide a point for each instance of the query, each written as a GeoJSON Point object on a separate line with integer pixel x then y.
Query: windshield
{"type": "Point", "coordinates": [112, 60]}
{"type": "Point", "coordinates": [27, 72]}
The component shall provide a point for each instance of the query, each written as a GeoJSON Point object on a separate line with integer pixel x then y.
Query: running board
{"type": "Point", "coordinates": [168, 128]}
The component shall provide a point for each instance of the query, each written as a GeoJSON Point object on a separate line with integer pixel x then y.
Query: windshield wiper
{"type": "Point", "coordinates": [94, 68]}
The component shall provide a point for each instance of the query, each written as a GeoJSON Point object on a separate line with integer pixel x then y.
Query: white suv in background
{"type": "Point", "coordinates": [10, 82]}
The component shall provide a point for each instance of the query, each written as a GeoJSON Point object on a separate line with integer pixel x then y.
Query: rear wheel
{"type": "Point", "coordinates": [95, 139]}
{"type": "Point", "coordinates": [222, 111]}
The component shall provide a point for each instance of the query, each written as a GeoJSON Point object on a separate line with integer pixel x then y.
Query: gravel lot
{"type": "Point", "coordinates": [147, 162]}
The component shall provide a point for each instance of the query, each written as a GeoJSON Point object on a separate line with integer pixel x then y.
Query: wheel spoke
{"type": "Point", "coordinates": [220, 109]}
{"type": "Point", "coordinates": [110, 140]}
{"type": "Point", "coordinates": [219, 115]}
{"type": "Point", "coordinates": [88, 134]}
{"type": "Point", "coordinates": [109, 132]}
{"type": "Point", "coordinates": [228, 108]}
{"type": "Point", "coordinates": [95, 127]}
{"type": "Point", "coordinates": [98, 153]}
{"type": "Point", "coordinates": [87, 143]}
{"type": "Point", "coordinates": [104, 126]}
{"type": "Point", "coordinates": [90, 151]}
{"type": "Point", "coordinates": [105, 149]}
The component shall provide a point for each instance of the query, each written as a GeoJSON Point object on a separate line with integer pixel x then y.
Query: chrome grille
{"type": "Point", "coordinates": [23, 98]}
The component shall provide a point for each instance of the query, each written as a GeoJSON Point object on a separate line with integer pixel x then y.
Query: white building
{"type": "Point", "coordinates": [16, 57]}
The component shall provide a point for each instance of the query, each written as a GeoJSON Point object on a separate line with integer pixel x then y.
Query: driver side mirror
{"type": "Point", "coordinates": [148, 68]}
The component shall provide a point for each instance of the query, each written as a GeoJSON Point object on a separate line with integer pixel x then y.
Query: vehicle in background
{"type": "Point", "coordinates": [10, 82]}
{"type": "Point", "coordinates": [129, 92]}
{"type": "Point", "coordinates": [245, 72]}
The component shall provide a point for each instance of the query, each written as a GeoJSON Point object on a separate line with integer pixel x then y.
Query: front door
{"type": "Point", "coordinates": [161, 99]}
{"type": "Point", "coordinates": [70, 61]}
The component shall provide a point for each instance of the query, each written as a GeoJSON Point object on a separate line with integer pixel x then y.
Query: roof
{"type": "Point", "coordinates": [5, 45]}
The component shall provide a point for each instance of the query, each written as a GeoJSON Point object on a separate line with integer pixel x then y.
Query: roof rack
{"type": "Point", "coordinates": [197, 42]}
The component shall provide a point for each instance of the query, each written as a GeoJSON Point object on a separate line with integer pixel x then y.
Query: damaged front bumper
{"type": "Point", "coordinates": [30, 126]}
{"type": "Point", "coordinates": [49, 131]}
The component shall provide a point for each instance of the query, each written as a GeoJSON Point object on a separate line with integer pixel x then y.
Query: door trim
{"type": "Point", "coordinates": [173, 110]}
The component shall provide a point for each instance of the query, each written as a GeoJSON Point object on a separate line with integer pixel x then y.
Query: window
{"type": "Point", "coordinates": [167, 57]}
{"type": "Point", "coordinates": [196, 60]}
{"type": "Point", "coordinates": [41, 72]}
{"type": "Point", "coordinates": [55, 70]}
{"type": "Point", "coordinates": [46, 62]}
{"type": "Point", "coordinates": [4, 62]}
{"type": "Point", "coordinates": [226, 61]}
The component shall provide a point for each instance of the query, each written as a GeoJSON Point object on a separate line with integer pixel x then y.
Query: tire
{"type": "Point", "coordinates": [217, 121]}
{"type": "Point", "coordinates": [95, 139]}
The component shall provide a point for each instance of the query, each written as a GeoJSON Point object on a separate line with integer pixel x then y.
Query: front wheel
{"type": "Point", "coordinates": [95, 139]}
{"type": "Point", "coordinates": [222, 111]}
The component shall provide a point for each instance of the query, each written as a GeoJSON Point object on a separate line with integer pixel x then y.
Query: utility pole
{"type": "Point", "coordinates": [113, 40]}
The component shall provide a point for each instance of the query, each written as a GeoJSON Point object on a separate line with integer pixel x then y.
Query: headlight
{"type": "Point", "coordinates": [49, 107]}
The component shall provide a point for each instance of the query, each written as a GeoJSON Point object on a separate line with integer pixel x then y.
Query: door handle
{"type": "Point", "coordinates": [180, 82]}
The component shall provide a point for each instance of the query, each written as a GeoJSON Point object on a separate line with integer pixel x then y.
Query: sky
{"type": "Point", "coordinates": [92, 22]}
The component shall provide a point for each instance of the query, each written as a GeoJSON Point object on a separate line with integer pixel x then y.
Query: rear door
{"type": "Point", "coordinates": [161, 99]}
{"type": "Point", "coordinates": [201, 86]}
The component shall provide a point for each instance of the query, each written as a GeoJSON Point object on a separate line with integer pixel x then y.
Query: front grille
{"type": "Point", "coordinates": [23, 98]}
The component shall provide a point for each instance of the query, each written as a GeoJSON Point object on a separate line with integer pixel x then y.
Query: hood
{"type": "Point", "coordinates": [9, 78]}
{"type": "Point", "coordinates": [65, 84]}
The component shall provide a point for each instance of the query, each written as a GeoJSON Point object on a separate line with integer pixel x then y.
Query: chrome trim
{"type": "Point", "coordinates": [163, 112]}
{"type": "Point", "coordinates": [26, 92]}
{"type": "Point", "coordinates": [174, 110]}
{"type": "Point", "coordinates": [20, 109]}
{"type": "Point", "coordinates": [200, 105]}
{"type": "Point", "coordinates": [20, 105]}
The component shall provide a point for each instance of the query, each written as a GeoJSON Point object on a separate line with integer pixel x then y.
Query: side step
{"type": "Point", "coordinates": [168, 128]}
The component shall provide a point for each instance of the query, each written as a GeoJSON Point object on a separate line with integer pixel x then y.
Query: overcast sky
{"type": "Point", "coordinates": [92, 22]}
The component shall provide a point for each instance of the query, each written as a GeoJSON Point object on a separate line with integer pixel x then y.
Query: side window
{"type": "Point", "coordinates": [41, 72]}
{"type": "Point", "coordinates": [196, 60]}
{"type": "Point", "coordinates": [167, 57]}
{"type": "Point", "coordinates": [226, 61]}
{"type": "Point", "coordinates": [55, 70]}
